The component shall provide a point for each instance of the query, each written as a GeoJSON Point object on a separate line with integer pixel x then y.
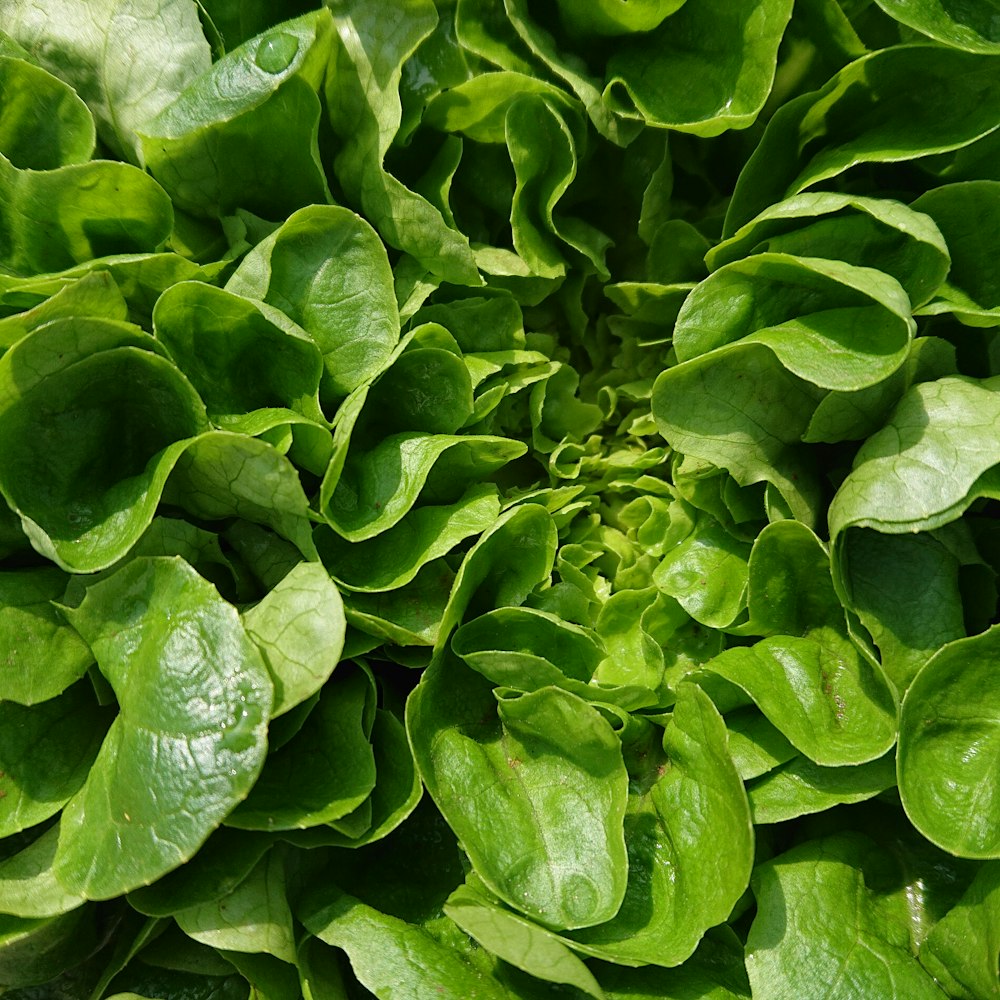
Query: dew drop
{"type": "Point", "coordinates": [276, 52]}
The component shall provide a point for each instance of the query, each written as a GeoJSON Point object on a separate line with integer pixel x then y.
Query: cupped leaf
{"type": "Point", "coordinates": [325, 771]}
{"type": "Point", "coordinates": [835, 325]}
{"type": "Point", "coordinates": [478, 107]}
{"type": "Point", "coordinates": [706, 573]}
{"type": "Point", "coordinates": [93, 419]}
{"type": "Point", "coordinates": [965, 214]}
{"type": "Point", "coordinates": [948, 731]}
{"type": "Point", "coordinates": [45, 124]}
{"type": "Point", "coordinates": [707, 68]}
{"type": "Point", "coordinates": [869, 113]}
{"type": "Point", "coordinates": [825, 697]}
{"type": "Point", "coordinates": [128, 59]}
{"type": "Point", "coordinates": [742, 410]}
{"type": "Point", "coordinates": [55, 219]}
{"type": "Point", "coordinates": [40, 656]}
{"type": "Point", "coordinates": [92, 294]}
{"type": "Point", "coordinates": [543, 150]}
{"type": "Point", "coordinates": [867, 232]}
{"type": "Point", "coordinates": [327, 270]}
{"type": "Point", "coordinates": [495, 642]}
{"type": "Point", "coordinates": [209, 147]}
{"type": "Point", "coordinates": [28, 886]}
{"type": "Point", "coordinates": [908, 624]}
{"type": "Point", "coordinates": [615, 17]}
{"type": "Point", "coordinates": [221, 474]}
{"type": "Point", "coordinates": [226, 859]}
{"type": "Point", "coordinates": [833, 918]}
{"type": "Point", "coordinates": [299, 629]}
{"type": "Point", "coordinates": [690, 845]}
{"type": "Point", "coordinates": [239, 354]}
{"type": "Point", "coordinates": [800, 787]}
{"type": "Point", "coordinates": [378, 488]}
{"type": "Point", "coordinates": [191, 735]}
{"type": "Point", "coordinates": [535, 787]}
{"type": "Point", "coordinates": [394, 557]}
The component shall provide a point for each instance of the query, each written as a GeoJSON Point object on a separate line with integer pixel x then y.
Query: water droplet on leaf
{"type": "Point", "coordinates": [276, 52]}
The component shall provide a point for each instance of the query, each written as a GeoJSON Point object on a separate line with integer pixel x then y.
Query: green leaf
{"type": "Point", "coordinates": [518, 941]}
{"type": "Point", "coordinates": [394, 557]}
{"type": "Point", "coordinates": [970, 27]}
{"type": "Point", "coordinates": [680, 882]}
{"type": "Point", "coordinates": [866, 232]}
{"type": "Point", "coordinates": [238, 354]}
{"type": "Point", "coordinates": [45, 753]}
{"type": "Point", "coordinates": [964, 213]}
{"type": "Point", "coordinates": [927, 465]}
{"type": "Point", "coordinates": [93, 420]}
{"type": "Point", "coordinates": [222, 474]}
{"type": "Point", "coordinates": [707, 68]}
{"type": "Point", "coordinates": [45, 124]}
{"type": "Point", "coordinates": [379, 487]}
{"type": "Point", "coordinates": [253, 917]}
{"type": "Point", "coordinates": [543, 150]}
{"type": "Point", "coordinates": [55, 219]}
{"type": "Point", "coordinates": [392, 958]}
{"type": "Point", "coordinates": [174, 762]}
{"type": "Point", "coordinates": [128, 59]}
{"type": "Point", "coordinates": [740, 409]}
{"type": "Point", "coordinates": [362, 91]}
{"type": "Point", "coordinates": [327, 270]}
{"type": "Point", "coordinates": [325, 771]}
{"type": "Point", "coordinates": [800, 787]}
{"type": "Point", "coordinates": [225, 860]}
{"type": "Point", "coordinates": [40, 656]}
{"type": "Point", "coordinates": [535, 787]}
{"type": "Point", "coordinates": [868, 113]}
{"type": "Point", "coordinates": [962, 948]}
{"type": "Point", "coordinates": [299, 629]}
{"type": "Point", "coordinates": [209, 147]}
{"type": "Point", "coordinates": [828, 926]}
{"type": "Point", "coordinates": [28, 886]}
{"type": "Point", "coordinates": [825, 697]}
{"type": "Point", "coordinates": [835, 325]}
{"type": "Point", "coordinates": [706, 573]}
{"type": "Point", "coordinates": [949, 721]}
{"type": "Point", "coordinates": [908, 624]}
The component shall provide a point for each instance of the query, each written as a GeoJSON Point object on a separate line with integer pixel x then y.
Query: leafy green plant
{"type": "Point", "coordinates": [499, 499]}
